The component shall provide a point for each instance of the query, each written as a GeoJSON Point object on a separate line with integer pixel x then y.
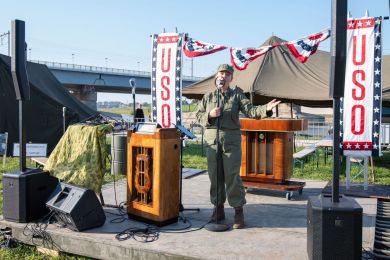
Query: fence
{"type": "Point", "coordinates": [75, 67]}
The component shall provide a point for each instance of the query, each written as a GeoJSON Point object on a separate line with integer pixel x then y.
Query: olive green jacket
{"type": "Point", "coordinates": [231, 102]}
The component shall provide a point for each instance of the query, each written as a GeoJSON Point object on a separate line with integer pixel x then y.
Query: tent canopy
{"type": "Point", "coordinates": [43, 112]}
{"type": "Point", "coordinates": [278, 74]}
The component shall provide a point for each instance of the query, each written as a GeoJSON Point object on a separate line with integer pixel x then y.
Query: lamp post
{"type": "Point", "coordinates": [73, 59]}
{"type": "Point", "coordinates": [29, 53]}
{"type": "Point", "coordinates": [8, 34]}
{"type": "Point", "coordinates": [132, 85]}
{"type": "Point", "coordinates": [106, 60]}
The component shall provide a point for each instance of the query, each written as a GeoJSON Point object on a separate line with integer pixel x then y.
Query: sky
{"type": "Point", "coordinates": [117, 33]}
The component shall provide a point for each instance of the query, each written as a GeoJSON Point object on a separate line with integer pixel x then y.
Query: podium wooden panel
{"type": "Point", "coordinates": [267, 150]}
{"type": "Point", "coordinates": [153, 176]}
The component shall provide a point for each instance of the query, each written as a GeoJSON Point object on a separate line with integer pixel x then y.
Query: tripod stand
{"type": "Point", "coordinates": [183, 133]}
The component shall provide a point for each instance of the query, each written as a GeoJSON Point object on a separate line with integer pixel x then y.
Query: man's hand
{"type": "Point", "coordinates": [273, 103]}
{"type": "Point", "coordinates": [215, 112]}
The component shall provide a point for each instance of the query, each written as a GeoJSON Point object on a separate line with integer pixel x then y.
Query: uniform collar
{"type": "Point", "coordinates": [228, 93]}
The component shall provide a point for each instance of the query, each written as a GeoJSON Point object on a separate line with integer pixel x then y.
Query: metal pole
{"type": "Point", "coordinates": [192, 67]}
{"type": "Point", "coordinates": [22, 139]}
{"type": "Point", "coordinates": [134, 122]}
{"type": "Point", "coordinates": [218, 147]}
{"type": "Point", "coordinates": [337, 78]}
{"type": "Point", "coordinates": [336, 149]}
{"type": "Point", "coordinates": [132, 85]}
{"type": "Point", "coordinates": [9, 43]}
{"type": "Point", "coordinates": [64, 119]}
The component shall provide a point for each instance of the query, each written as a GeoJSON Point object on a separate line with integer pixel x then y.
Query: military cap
{"type": "Point", "coordinates": [225, 67]}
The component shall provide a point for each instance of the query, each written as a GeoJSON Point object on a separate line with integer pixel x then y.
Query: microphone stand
{"type": "Point", "coordinates": [217, 227]}
{"type": "Point", "coordinates": [134, 123]}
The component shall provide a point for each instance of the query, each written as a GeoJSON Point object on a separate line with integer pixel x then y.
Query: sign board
{"type": "Point", "coordinates": [166, 80]}
{"type": "Point", "coordinates": [32, 150]}
{"type": "Point", "coordinates": [3, 143]}
{"type": "Point", "coordinates": [361, 111]}
{"type": "Point", "coordinates": [3, 146]}
{"type": "Point", "coordinates": [146, 127]}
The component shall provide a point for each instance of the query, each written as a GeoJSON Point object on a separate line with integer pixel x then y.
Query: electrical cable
{"type": "Point", "coordinates": [38, 234]}
{"type": "Point", "coordinates": [151, 233]}
{"type": "Point", "coordinates": [6, 239]}
{"type": "Point", "coordinates": [367, 254]}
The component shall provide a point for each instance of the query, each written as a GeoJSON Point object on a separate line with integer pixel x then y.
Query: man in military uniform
{"type": "Point", "coordinates": [232, 101]}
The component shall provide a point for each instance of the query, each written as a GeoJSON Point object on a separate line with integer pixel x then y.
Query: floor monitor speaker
{"type": "Point", "coordinates": [78, 208]}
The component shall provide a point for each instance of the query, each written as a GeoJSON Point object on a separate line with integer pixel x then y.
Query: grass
{"type": "Point", "coordinates": [129, 110]}
{"type": "Point", "coordinates": [193, 159]}
{"type": "Point", "coordinates": [192, 156]}
{"type": "Point", "coordinates": [325, 172]}
{"type": "Point", "coordinates": [123, 110]}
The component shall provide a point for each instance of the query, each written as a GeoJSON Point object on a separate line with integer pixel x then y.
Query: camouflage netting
{"type": "Point", "coordinates": [80, 156]}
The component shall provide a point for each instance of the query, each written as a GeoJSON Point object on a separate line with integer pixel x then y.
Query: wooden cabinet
{"type": "Point", "coordinates": [153, 176]}
{"type": "Point", "coordinates": [267, 149]}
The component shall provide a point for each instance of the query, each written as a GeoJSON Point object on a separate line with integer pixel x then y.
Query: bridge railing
{"type": "Point", "coordinates": [86, 68]}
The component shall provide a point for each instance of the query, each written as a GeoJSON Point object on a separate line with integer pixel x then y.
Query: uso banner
{"type": "Point", "coordinates": [361, 113]}
{"type": "Point", "coordinates": [166, 78]}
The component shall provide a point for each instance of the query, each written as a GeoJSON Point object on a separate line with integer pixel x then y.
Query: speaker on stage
{"type": "Point", "coordinates": [78, 208]}
{"type": "Point", "coordinates": [334, 230]}
{"type": "Point", "coordinates": [25, 194]}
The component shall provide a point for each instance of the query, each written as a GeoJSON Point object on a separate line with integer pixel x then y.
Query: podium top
{"type": "Point", "coordinates": [274, 125]}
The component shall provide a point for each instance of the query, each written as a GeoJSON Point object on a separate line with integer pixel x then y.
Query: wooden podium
{"type": "Point", "coordinates": [267, 153]}
{"type": "Point", "coordinates": [153, 175]}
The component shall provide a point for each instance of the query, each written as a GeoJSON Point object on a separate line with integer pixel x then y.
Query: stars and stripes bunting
{"type": "Point", "coordinates": [194, 48]}
{"type": "Point", "coordinates": [240, 58]}
{"type": "Point", "coordinates": [301, 49]}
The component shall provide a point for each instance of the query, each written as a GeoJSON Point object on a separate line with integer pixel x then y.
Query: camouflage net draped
{"type": "Point", "coordinates": [80, 156]}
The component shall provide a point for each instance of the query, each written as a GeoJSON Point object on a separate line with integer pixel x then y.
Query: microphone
{"type": "Point", "coordinates": [132, 85]}
{"type": "Point", "coordinates": [219, 83]}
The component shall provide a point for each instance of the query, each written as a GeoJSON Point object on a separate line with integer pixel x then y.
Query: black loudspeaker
{"type": "Point", "coordinates": [25, 194]}
{"type": "Point", "coordinates": [19, 60]}
{"type": "Point", "coordinates": [79, 209]}
{"type": "Point", "coordinates": [334, 230]}
{"type": "Point", "coordinates": [338, 48]}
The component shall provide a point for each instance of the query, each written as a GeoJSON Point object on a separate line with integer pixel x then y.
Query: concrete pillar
{"type": "Point", "coordinates": [87, 95]}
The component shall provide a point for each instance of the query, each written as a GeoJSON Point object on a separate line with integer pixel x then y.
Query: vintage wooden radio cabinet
{"type": "Point", "coordinates": [267, 152]}
{"type": "Point", "coordinates": [153, 176]}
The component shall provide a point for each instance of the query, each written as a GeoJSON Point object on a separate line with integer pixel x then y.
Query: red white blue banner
{"type": "Point", "coordinates": [240, 58]}
{"type": "Point", "coordinates": [166, 78]}
{"type": "Point", "coordinates": [303, 48]}
{"type": "Point", "coordinates": [194, 48]}
{"type": "Point", "coordinates": [361, 105]}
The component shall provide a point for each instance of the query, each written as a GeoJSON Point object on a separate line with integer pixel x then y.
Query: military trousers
{"type": "Point", "coordinates": [229, 160]}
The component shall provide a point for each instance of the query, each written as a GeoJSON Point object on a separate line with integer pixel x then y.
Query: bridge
{"type": "Point", "coordinates": [85, 81]}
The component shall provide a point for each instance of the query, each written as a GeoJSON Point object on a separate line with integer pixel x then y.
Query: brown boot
{"type": "Point", "coordinates": [221, 213]}
{"type": "Point", "coordinates": [238, 218]}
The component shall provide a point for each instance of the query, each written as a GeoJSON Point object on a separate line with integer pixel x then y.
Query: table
{"type": "Point", "coordinates": [325, 144]}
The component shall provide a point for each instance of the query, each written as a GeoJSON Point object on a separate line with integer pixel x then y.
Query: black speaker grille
{"type": "Point", "coordinates": [334, 231]}
{"type": "Point", "coordinates": [77, 208]}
